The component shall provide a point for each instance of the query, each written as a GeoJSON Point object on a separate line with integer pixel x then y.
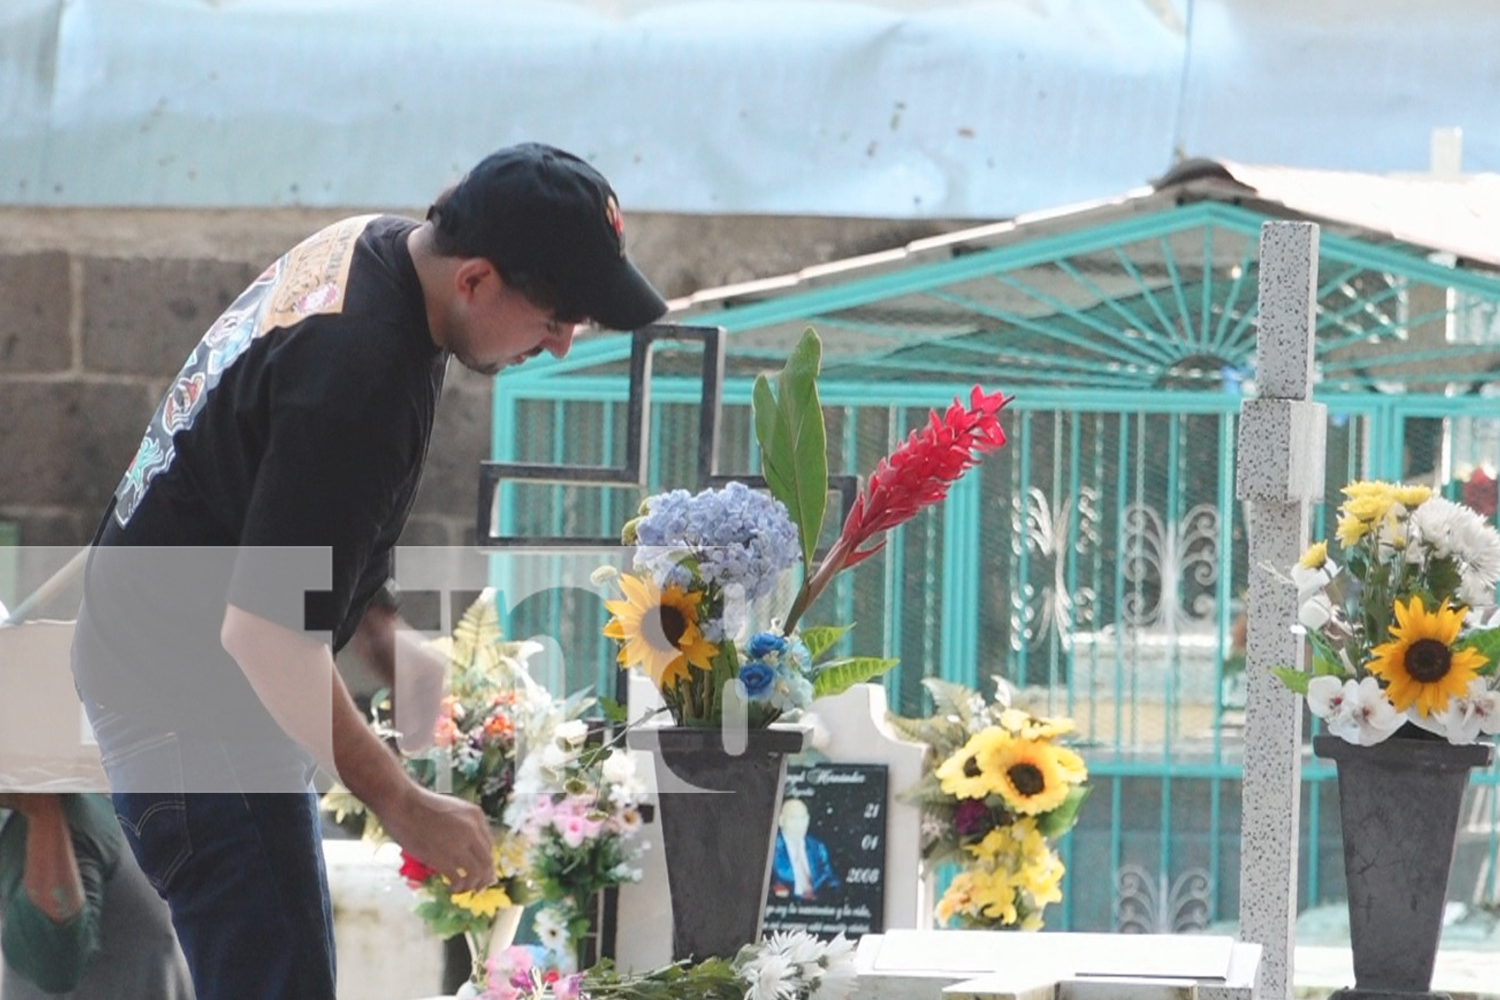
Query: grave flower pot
{"type": "Point", "coordinates": [718, 811]}
{"type": "Point", "coordinates": [1399, 803]}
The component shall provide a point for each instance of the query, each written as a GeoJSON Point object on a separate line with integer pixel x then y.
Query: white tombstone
{"type": "Point", "coordinates": [1280, 474]}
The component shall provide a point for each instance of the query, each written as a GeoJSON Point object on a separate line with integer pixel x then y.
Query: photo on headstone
{"type": "Point", "coordinates": [828, 869]}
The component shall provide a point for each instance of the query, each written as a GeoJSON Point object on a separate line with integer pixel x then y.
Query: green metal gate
{"type": "Point", "coordinates": [1097, 562]}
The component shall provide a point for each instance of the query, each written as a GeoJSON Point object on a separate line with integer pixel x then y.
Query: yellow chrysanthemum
{"type": "Point", "coordinates": [1315, 556]}
{"type": "Point", "coordinates": [484, 903]}
{"type": "Point", "coordinates": [658, 631]}
{"type": "Point", "coordinates": [1031, 727]}
{"type": "Point", "coordinates": [979, 893]}
{"type": "Point", "coordinates": [1351, 530]}
{"type": "Point", "coordinates": [1419, 664]}
{"type": "Point", "coordinates": [968, 773]}
{"type": "Point", "coordinates": [1412, 496]}
{"type": "Point", "coordinates": [1028, 775]}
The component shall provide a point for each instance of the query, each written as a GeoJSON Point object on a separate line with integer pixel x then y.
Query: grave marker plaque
{"type": "Point", "coordinates": [828, 875]}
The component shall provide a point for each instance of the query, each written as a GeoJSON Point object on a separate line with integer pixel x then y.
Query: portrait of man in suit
{"type": "Point", "coordinates": [801, 867]}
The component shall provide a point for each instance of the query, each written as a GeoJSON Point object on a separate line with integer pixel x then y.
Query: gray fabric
{"type": "Point", "coordinates": [138, 957]}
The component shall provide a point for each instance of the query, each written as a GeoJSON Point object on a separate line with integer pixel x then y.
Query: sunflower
{"type": "Point", "coordinates": [484, 903]}
{"type": "Point", "coordinates": [658, 631]}
{"type": "Point", "coordinates": [1419, 664]}
{"type": "Point", "coordinates": [1029, 776]}
{"type": "Point", "coordinates": [968, 773]}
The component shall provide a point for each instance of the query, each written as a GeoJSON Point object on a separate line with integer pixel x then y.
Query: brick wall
{"type": "Point", "coordinates": [98, 308]}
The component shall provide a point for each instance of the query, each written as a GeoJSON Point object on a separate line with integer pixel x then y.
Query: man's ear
{"type": "Point", "coordinates": [470, 274]}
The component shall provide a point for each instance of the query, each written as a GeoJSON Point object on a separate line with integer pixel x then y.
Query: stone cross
{"type": "Point", "coordinates": [1279, 475]}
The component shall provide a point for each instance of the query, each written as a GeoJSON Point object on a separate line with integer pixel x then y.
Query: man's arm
{"type": "Point", "coordinates": [294, 676]}
{"type": "Point", "coordinates": [399, 656]}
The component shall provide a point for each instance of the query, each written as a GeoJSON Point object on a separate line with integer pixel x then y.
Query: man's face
{"type": "Point", "coordinates": [794, 822]}
{"type": "Point", "coordinates": [492, 326]}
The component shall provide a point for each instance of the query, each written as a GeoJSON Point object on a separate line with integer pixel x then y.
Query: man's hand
{"type": "Point", "coordinates": [444, 833]}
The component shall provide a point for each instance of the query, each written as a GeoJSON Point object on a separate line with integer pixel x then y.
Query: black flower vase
{"type": "Point", "coordinates": [718, 808]}
{"type": "Point", "coordinates": [1399, 805]}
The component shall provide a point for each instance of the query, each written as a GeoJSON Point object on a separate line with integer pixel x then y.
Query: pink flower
{"type": "Point", "coordinates": [569, 987]}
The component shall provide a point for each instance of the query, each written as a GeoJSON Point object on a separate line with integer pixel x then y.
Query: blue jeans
{"type": "Point", "coordinates": [242, 871]}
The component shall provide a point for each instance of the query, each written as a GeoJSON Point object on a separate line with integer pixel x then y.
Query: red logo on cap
{"type": "Point", "coordinates": [616, 220]}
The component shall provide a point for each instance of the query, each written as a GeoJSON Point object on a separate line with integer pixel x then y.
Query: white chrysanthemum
{"type": "Point", "coordinates": [769, 977]}
{"type": "Point", "coordinates": [1432, 525]}
{"type": "Point", "coordinates": [1477, 548]}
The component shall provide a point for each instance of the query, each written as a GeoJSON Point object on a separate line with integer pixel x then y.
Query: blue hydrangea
{"type": "Point", "coordinates": [734, 537]}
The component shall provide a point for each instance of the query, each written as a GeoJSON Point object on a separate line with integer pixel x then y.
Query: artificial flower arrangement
{"type": "Point", "coordinates": [705, 564]}
{"type": "Point", "coordinates": [492, 715]}
{"type": "Point", "coordinates": [1394, 619]}
{"type": "Point", "coordinates": [577, 804]}
{"type": "Point", "coordinates": [998, 791]}
{"type": "Point", "coordinates": [783, 966]}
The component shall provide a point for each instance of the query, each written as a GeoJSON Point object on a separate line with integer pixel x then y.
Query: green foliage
{"type": "Point", "coordinates": [838, 676]}
{"type": "Point", "coordinates": [794, 447]}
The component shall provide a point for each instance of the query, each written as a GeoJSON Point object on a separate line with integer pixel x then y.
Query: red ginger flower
{"type": "Point", "coordinates": [914, 476]}
{"type": "Point", "coordinates": [918, 473]}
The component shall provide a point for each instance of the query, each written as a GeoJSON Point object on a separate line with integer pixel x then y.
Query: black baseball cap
{"type": "Point", "coordinates": [534, 208]}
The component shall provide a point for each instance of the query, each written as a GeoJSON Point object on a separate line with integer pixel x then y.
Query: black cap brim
{"type": "Point", "coordinates": [624, 300]}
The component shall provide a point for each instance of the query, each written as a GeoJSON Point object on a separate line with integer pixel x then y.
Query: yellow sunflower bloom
{"type": "Point", "coordinates": [1419, 664]}
{"type": "Point", "coordinates": [1028, 775]}
{"type": "Point", "coordinates": [967, 774]}
{"type": "Point", "coordinates": [658, 631]}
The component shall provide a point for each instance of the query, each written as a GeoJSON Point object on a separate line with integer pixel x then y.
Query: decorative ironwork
{"type": "Point", "coordinates": [1160, 557]}
{"type": "Point", "coordinates": [1046, 533]}
{"type": "Point", "coordinates": [1145, 905]}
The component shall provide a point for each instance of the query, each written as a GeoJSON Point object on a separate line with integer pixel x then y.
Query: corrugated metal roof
{"type": "Point", "coordinates": [891, 108]}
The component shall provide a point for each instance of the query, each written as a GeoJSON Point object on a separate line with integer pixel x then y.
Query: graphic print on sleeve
{"type": "Point", "coordinates": [310, 279]}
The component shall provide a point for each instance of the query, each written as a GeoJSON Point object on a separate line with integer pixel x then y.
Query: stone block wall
{"type": "Point", "coordinates": [98, 308]}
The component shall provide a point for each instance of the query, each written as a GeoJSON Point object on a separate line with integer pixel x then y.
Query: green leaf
{"type": "Point", "coordinates": [1325, 658]}
{"type": "Point", "coordinates": [820, 639]}
{"type": "Point", "coordinates": [838, 676]}
{"type": "Point", "coordinates": [1487, 644]}
{"type": "Point", "coordinates": [1295, 680]}
{"type": "Point", "coordinates": [613, 711]}
{"type": "Point", "coordinates": [1060, 820]}
{"type": "Point", "coordinates": [793, 441]}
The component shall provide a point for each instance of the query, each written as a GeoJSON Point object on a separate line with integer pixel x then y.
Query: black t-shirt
{"type": "Point", "coordinates": [302, 419]}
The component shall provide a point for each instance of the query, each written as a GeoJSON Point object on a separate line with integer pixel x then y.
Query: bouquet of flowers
{"type": "Point", "coordinates": [784, 966]}
{"type": "Point", "coordinates": [1394, 618]}
{"type": "Point", "coordinates": [998, 792]}
{"type": "Point", "coordinates": [491, 717]}
{"type": "Point", "coordinates": [578, 807]}
{"type": "Point", "coordinates": [705, 564]}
